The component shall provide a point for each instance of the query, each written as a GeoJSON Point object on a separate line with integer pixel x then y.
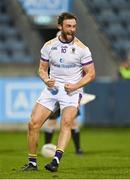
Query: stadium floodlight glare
{"type": "Point", "coordinates": [43, 20]}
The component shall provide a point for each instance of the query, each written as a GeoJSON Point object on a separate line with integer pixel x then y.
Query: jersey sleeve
{"type": "Point", "coordinates": [45, 53]}
{"type": "Point", "coordinates": [86, 56]}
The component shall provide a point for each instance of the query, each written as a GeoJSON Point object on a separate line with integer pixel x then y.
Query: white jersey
{"type": "Point", "coordinates": [66, 59]}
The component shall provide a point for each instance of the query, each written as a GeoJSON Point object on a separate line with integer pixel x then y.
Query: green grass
{"type": "Point", "coordinates": [107, 156]}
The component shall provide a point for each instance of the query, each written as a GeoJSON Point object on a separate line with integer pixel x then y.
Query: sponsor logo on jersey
{"type": "Point", "coordinates": [61, 60]}
{"type": "Point", "coordinates": [73, 50]}
{"type": "Point", "coordinates": [64, 65]}
{"type": "Point", "coordinates": [54, 48]}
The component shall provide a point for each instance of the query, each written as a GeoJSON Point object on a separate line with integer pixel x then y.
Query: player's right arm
{"type": "Point", "coordinates": [43, 70]}
{"type": "Point", "coordinates": [43, 73]}
{"type": "Point", "coordinates": [44, 65]}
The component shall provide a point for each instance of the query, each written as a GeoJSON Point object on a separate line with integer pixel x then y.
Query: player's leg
{"type": "Point", "coordinates": [51, 124]}
{"type": "Point", "coordinates": [49, 130]}
{"type": "Point", "coordinates": [38, 117]}
{"type": "Point", "coordinates": [75, 133]}
{"type": "Point", "coordinates": [86, 98]}
{"type": "Point", "coordinates": [68, 115]}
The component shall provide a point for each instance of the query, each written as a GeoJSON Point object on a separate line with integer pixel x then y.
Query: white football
{"type": "Point", "coordinates": [48, 150]}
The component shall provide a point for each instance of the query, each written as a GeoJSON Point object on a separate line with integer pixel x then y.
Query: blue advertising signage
{"type": "Point", "coordinates": [17, 98]}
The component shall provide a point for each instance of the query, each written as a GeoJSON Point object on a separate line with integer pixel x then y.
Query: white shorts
{"type": "Point", "coordinates": [49, 99]}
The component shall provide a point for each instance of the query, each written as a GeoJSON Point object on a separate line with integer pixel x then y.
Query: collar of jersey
{"type": "Point", "coordinates": [65, 42]}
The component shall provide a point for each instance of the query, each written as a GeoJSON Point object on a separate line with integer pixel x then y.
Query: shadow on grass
{"type": "Point", "coordinates": [102, 151]}
{"type": "Point", "coordinates": [10, 151]}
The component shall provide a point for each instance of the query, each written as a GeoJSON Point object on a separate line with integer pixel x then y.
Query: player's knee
{"type": "Point", "coordinates": [67, 123]}
{"type": "Point", "coordinates": [33, 125]}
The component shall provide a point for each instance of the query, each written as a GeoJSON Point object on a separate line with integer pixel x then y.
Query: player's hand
{"type": "Point", "coordinates": [70, 87]}
{"type": "Point", "coordinates": [50, 82]}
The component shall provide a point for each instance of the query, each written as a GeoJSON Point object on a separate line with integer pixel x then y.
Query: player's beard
{"type": "Point", "coordinates": [67, 37]}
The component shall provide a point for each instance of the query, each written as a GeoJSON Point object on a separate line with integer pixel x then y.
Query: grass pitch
{"type": "Point", "coordinates": [107, 156]}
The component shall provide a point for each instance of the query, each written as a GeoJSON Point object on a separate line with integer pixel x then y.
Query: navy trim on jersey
{"type": "Point", "coordinates": [44, 59]}
{"type": "Point", "coordinates": [83, 64]}
{"type": "Point", "coordinates": [65, 42]}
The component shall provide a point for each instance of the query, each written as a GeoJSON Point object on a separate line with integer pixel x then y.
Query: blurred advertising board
{"type": "Point", "coordinates": [17, 98]}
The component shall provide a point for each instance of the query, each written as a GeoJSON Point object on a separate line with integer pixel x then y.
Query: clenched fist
{"type": "Point", "coordinates": [70, 87]}
{"type": "Point", "coordinates": [50, 82]}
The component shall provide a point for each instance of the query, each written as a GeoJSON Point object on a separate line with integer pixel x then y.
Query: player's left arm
{"type": "Point", "coordinates": [89, 71]}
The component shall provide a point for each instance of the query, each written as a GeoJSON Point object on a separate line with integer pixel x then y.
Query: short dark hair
{"type": "Point", "coordinates": [64, 16]}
